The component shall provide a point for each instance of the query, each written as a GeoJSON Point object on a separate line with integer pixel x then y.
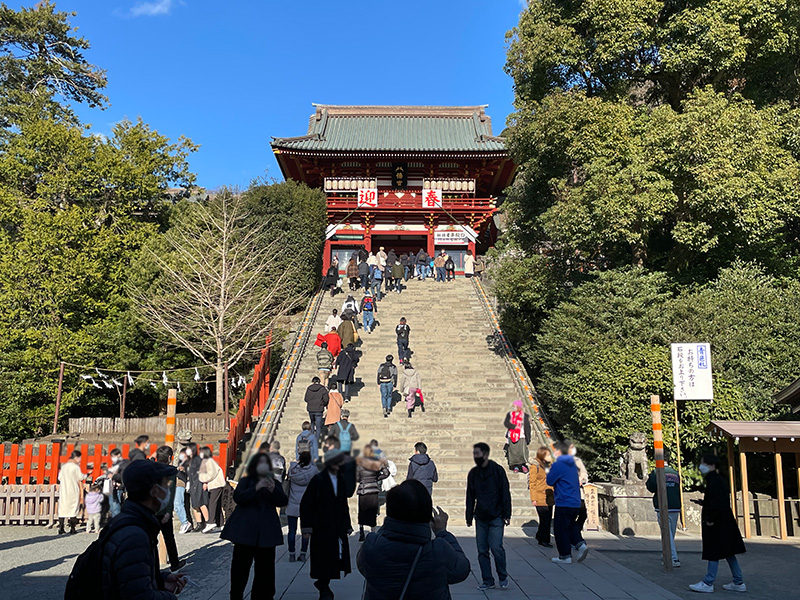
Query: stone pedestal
{"type": "Point", "coordinates": [626, 508]}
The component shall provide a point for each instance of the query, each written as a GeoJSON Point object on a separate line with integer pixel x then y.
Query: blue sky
{"type": "Point", "coordinates": [230, 75]}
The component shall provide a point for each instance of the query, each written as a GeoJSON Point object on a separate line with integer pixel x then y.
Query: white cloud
{"type": "Point", "coordinates": [152, 9]}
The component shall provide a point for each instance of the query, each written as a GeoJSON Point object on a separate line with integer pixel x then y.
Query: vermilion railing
{"type": "Point", "coordinates": [251, 406]}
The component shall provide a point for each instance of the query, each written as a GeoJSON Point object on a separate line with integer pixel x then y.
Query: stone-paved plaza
{"type": "Point", "coordinates": [34, 564]}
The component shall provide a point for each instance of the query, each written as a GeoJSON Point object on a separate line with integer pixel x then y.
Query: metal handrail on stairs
{"type": "Point", "coordinates": [270, 417]}
{"type": "Point", "coordinates": [520, 375]}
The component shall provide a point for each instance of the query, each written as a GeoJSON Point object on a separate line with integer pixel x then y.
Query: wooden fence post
{"type": "Point", "coordinates": [661, 482]}
{"type": "Point", "coordinates": [172, 402]}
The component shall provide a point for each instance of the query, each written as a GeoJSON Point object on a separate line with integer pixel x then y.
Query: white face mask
{"type": "Point", "coordinates": [573, 451]}
{"type": "Point", "coordinates": [114, 460]}
{"type": "Point", "coordinates": [704, 469]}
{"type": "Point", "coordinates": [263, 469]}
{"type": "Point", "coordinates": [188, 452]}
{"type": "Point", "coordinates": [163, 503]}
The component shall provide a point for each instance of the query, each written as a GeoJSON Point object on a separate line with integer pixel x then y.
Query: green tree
{"type": "Point", "coordinates": [42, 65]}
{"type": "Point", "coordinates": [689, 192]}
{"type": "Point", "coordinates": [657, 50]}
{"type": "Point", "coordinates": [605, 350]}
{"type": "Point", "coordinates": [74, 210]}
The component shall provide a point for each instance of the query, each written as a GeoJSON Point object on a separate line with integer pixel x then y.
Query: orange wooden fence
{"type": "Point", "coordinates": [38, 464]}
{"type": "Point", "coordinates": [251, 406]}
{"type": "Point", "coordinates": [29, 476]}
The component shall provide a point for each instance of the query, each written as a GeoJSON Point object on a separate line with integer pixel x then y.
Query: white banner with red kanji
{"type": "Point", "coordinates": [367, 197]}
{"type": "Point", "coordinates": [432, 198]}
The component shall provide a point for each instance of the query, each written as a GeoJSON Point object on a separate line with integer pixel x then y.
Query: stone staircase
{"type": "Point", "coordinates": [468, 389]}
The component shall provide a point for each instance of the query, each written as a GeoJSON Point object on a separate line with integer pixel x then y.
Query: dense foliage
{"type": "Point", "coordinates": [656, 201]}
{"type": "Point", "coordinates": [76, 210]}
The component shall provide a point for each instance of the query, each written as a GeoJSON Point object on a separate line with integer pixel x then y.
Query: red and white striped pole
{"type": "Point", "coordinates": [661, 482]}
{"type": "Point", "coordinates": [172, 405]}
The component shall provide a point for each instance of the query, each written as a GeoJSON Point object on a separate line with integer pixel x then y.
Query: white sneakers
{"type": "Point", "coordinates": [185, 528]}
{"type": "Point", "coordinates": [583, 550]}
{"type": "Point", "coordinates": [210, 527]}
{"type": "Point", "coordinates": [562, 561]}
{"type": "Point", "coordinates": [702, 587]}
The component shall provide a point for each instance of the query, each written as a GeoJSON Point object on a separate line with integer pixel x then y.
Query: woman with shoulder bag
{"type": "Point", "coordinates": [198, 494]}
{"type": "Point", "coordinates": [542, 495]}
{"type": "Point", "coordinates": [370, 470]}
{"type": "Point", "coordinates": [255, 529]}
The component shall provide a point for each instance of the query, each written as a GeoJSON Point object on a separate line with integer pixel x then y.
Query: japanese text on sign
{"type": "Point", "coordinates": [368, 197]}
{"type": "Point", "coordinates": [691, 372]}
{"type": "Point", "coordinates": [450, 238]}
{"type": "Point", "coordinates": [432, 198]}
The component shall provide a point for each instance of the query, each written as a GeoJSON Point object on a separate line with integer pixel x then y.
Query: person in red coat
{"type": "Point", "coordinates": [332, 339]}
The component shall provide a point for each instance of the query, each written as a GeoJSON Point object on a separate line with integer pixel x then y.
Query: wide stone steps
{"type": "Point", "coordinates": [468, 388]}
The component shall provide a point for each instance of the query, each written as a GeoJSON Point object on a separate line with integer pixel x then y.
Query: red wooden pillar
{"type": "Point", "coordinates": [222, 456]}
{"type": "Point", "coordinates": [326, 258]}
{"type": "Point", "coordinates": [40, 464]}
{"type": "Point", "coordinates": [368, 240]}
{"type": "Point", "coordinates": [55, 460]}
{"type": "Point", "coordinates": [13, 461]}
{"type": "Point", "coordinates": [431, 246]}
{"type": "Point", "coordinates": [471, 248]}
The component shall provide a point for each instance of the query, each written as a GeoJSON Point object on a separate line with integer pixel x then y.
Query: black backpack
{"type": "Point", "coordinates": [449, 264]}
{"type": "Point", "coordinates": [86, 581]}
{"type": "Point", "coordinates": [402, 332]}
{"type": "Point", "coordinates": [385, 372]}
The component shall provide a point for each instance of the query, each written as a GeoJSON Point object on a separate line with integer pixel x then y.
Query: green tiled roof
{"type": "Point", "coordinates": [396, 128]}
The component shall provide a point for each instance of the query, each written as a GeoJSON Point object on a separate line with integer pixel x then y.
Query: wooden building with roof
{"type": "Point", "coordinates": [402, 177]}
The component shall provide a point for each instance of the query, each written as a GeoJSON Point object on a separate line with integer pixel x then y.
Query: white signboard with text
{"type": "Point", "coordinates": [450, 238]}
{"type": "Point", "coordinates": [691, 371]}
{"type": "Point", "coordinates": [431, 198]}
{"type": "Point", "coordinates": [368, 197]}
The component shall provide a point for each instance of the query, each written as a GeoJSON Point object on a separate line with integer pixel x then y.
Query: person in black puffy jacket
{"type": "Point", "coordinates": [130, 554]}
{"type": "Point", "coordinates": [255, 529]}
{"type": "Point", "coordinates": [387, 558]}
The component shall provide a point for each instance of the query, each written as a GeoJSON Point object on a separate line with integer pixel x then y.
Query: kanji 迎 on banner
{"type": "Point", "coordinates": [431, 198]}
{"type": "Point", "coordinates": [691, 372]}
{"type": "Point", "coordinates": [368, 197]}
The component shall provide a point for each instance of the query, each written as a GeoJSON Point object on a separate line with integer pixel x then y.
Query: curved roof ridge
{"type": "Point", "coordinates": [399, 110]}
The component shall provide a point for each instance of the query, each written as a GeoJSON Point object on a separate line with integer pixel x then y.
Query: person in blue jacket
{"type": "Point", "coordinates": [565, 481]}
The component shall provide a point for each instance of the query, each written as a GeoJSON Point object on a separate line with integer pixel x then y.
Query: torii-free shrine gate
{"type": "Point", "coordinates": [402, 177]}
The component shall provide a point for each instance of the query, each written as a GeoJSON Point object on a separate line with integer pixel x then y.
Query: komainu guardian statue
{"type": "Point", "coordinates": [636, 455]}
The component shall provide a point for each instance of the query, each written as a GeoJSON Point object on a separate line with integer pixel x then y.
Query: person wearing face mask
{"type": "Point", "coordinates": [164, 514]}
{"type": "Point", "coordinates": [541, 495]}
{"type": "Point", "coordinates": [583, 479]}
{"type": "Point", "coordinates": [213, 480]}
{"type": "Point", "coordinates": [130, 548]}
{"type": "Point", "coordinates": [325, 515]}
{"type": "Point", "coordinates": [198, 494]}
{"type": "Point", "coordinates": [720, 531]}
{"type": "Point", "coordinates": [489, 503]}
{"type": "Point", "coordinates": [565, 481]}
{"type": "Point", "coordinates": [255, 529]}
{"type": "Point", "coordinates": [673, 481]}
{"type": "Point", "coordinates": [117, 495]}
{"type": "Point", "coordinates": [181, 462]}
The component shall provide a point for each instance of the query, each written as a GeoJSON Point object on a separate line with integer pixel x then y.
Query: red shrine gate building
{"type": "Point", "coordinates": [402, 177]}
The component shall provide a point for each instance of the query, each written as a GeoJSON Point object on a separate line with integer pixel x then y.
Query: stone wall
{"type": "Point", "coordinates": [626, 508]}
